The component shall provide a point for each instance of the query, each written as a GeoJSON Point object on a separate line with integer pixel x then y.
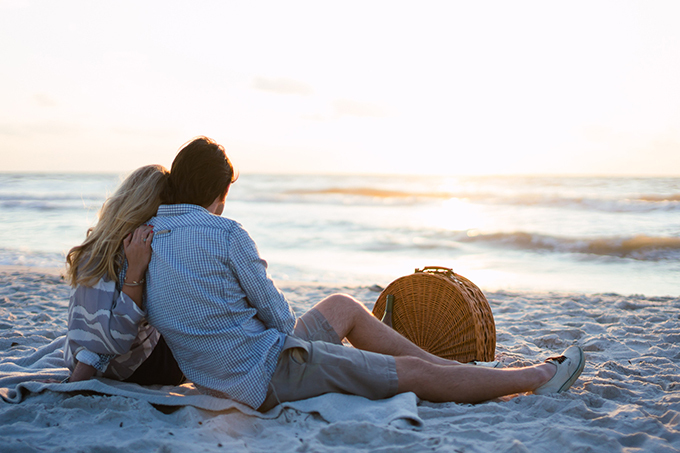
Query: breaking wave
{"type": "Point", "coordinates": [638, 247]}
{"type": "Point", "coordinates": [369, 195]}
{"type": "Point", "coordinates": [371, 192]}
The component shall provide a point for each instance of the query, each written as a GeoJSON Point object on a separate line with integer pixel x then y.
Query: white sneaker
{"type": "Point", "coordinates": [494, 364]}
{"type": "Point", "coordinates": [569, 367]}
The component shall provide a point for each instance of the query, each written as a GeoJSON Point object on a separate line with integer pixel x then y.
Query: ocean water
{"type": "Point", "coordinates": [564, 234]}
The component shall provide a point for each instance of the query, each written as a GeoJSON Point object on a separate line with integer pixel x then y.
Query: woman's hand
{"type": "Point", "coordinates": [82, 372]}
{"type": "Point", "coordinates": [137, 248]}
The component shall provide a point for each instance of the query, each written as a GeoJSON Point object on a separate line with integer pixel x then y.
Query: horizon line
{"type": "Point", "coordinates": [368, 174]}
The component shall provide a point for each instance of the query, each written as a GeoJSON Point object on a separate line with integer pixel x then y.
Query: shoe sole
{"type": "Point", "coordinates": [574, 376]}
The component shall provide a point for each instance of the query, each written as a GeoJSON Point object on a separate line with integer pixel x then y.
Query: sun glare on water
{"type": "Point", "coordinates": [455, 215]}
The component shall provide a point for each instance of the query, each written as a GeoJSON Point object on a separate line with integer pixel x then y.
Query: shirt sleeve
{"type": "Point", "coordinates": [103, 320]}
{"type": "Point", "coordinates": [251, 271]}
{"type": "Point", "coordinates": [98, 361]}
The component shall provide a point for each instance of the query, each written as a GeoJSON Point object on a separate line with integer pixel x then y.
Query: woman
{"type": "Point", "coordinates": [107, 332]}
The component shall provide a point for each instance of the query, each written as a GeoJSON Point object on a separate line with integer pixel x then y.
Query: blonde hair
{"type": "Point", "coordinates": [134, 202]}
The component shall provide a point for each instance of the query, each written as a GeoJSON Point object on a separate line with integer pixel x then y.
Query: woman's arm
{"type": "Point", "coordinates": [82, 372]}
{"type": "Point", "coordinates": [137, 248]}
{"type": "Point", "coordinates": [104, 323]}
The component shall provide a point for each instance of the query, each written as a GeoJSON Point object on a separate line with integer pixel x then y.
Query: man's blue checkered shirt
{"type": "Point", "coordinates": [209, 295]}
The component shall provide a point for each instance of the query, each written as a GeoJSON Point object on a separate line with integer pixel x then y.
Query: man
{"type": "Point", "coordinates": [234, 335]}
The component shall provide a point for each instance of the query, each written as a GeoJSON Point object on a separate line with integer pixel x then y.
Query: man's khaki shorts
{"type": "Point", "coordinates": [314, 362]}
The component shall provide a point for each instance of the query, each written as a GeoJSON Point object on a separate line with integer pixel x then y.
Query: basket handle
{"type": "Point", "coordinates": [446, 271]}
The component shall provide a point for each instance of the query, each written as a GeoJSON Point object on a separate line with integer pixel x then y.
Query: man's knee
{"type": "Point", "coordinates": [342, 312]}
{"type": "Point", "coordinates": [341, 298]}
{"type": "Point", "coordinates": [341, 302]}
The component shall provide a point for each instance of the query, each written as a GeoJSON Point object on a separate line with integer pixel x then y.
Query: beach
{"type": "Point", "coordinates": [627, 399]}
{"type": "Point", "coordinates": [529, 147]}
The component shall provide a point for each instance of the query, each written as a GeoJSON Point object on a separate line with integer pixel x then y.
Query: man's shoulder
{"type": "Point", "coordinates": [189, 230]}
{"type": "Point", "coordinates": [192, 217]}
{"type": "Point", "coordinates": [222, 223]}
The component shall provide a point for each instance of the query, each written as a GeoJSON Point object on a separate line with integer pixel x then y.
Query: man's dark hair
{"type": "Point", "coordinates": [200, 173]}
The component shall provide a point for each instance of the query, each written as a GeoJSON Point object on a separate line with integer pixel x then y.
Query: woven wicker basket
{"type": "Point", "coordinates": [442, 312]}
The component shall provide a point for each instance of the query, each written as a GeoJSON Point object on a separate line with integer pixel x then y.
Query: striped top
{"type": "Point", "coordinates": [208, 293]}
{"type": "Point", "coordinates": [105, 323]}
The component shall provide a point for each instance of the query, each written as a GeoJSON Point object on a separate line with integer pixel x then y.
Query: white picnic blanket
{"type": "Point", "coordinates": [20, 376]}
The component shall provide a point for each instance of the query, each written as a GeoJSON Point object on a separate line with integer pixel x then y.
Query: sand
{"type": "Point", "coordinates": [627, 399]}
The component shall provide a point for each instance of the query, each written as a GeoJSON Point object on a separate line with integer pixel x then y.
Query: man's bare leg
{"type": "Point", "coordinates": [351, 319]}
{"type": "Point", "coordinates": [428, 376]}
{"type": "Point", "coordinates": [467, 384]}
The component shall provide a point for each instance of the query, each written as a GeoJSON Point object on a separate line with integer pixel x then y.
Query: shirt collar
{"type": "Point", "coordinates": [179, 209]}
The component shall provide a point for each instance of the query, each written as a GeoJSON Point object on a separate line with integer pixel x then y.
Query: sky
{"type": "Point", "coordinates": [455, 87]}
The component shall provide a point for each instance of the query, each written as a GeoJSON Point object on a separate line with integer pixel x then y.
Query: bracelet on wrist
{"type": "Point", "coordinates": [134, 283]}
